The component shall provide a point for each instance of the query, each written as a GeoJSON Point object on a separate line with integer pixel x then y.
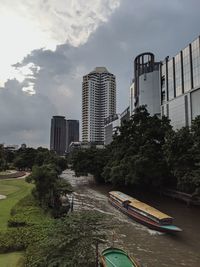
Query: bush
{"type": "Point", "coordinates": [28, 224]}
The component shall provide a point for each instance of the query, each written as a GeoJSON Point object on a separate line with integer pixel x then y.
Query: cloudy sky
{"type": "Point", "coordinates": [48, 45]}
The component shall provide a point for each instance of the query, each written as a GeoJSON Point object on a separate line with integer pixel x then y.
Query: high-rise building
{"type": "Point", "coordinates": [180, 86]}
{"type": "Point", "coordinates": [98, 103]}
{"type": "Point", "coordinates": [58, 135]}
{"type": "Point", "coordinates": [72, 132]}
{"type": "Point", "coordinates": [145, 89]}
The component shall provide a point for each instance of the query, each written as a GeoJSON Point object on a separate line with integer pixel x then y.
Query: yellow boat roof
{"type": "Point", "coordinates": [140, 205]}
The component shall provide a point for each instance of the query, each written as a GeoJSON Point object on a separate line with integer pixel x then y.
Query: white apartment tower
{"type": "Point", "coordinates": [98, 103]}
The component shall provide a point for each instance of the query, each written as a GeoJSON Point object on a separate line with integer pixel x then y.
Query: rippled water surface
{"type": "Point", "coordinates": [151, 248]}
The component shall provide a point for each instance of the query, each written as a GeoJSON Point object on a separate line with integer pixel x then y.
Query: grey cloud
{"type": "Point", "coordinates": [55, 61]}
{"type": "Point", "coordinates": [24, 118]}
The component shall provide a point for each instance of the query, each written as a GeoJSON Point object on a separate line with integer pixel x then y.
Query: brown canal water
{"type": "Point", "coordinates": [150, 248]}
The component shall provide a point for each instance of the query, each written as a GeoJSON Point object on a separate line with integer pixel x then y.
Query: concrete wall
{"type": "Point", "coordinates": [195, 102]}
{"type": "Point", "coordinates": [110, 129]}
{"type": "Point", "coordinates": [149, 92]}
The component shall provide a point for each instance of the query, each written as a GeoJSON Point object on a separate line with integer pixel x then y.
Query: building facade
{"type": "Point", "coordinates": [145, 88]}
{"type": "Point", "coordinates": [72, 132]}
{"type": "Point", "coordinates": [125, 116]}
{"type": "Point", "coordinates": [58, 135]}
{"type": "Point", "coordinates": [98, 103]}
{"type": "Point", "coordinates": [180, 86]}
{"type": "Point", "coordinates": [110, 127]}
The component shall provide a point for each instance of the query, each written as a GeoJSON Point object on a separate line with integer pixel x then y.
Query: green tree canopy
{"type": "Point", "coordinates": [136, 155]}
{"type": "Point", "coordinates": [70, 242]}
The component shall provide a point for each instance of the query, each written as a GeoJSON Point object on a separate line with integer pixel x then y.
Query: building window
{"type": "Point", "coordinates": [167, 107]}
{"type": "Point", "coordinates": [170, 79]}
{"type": "Point", "coordinates": [163, 83]}
{"type": "Point", "coordinates": [186, 111]}
{"type": "Point", "coordinates": [178, 75]}
{"type": "Point", "coordinates": [162, 111]}
{"type": "Point", "coordinates": [196, 63]}
{"type": "Point", "coordinates": [186, 69]}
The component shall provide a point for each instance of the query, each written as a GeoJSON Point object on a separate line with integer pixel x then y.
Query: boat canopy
{"type": "Point", "coordinates": [136, 204]}
{"type": "Point", "coordinates": [114, 257]}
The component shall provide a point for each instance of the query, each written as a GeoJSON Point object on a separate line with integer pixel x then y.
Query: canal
{"type": "Point", "coordinates": [150, 248]}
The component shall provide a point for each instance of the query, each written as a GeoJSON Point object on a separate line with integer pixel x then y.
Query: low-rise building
{"type": "Point", "coordinates": [111, 125]}
{"type": "Point", "coordinates": [125, 116]}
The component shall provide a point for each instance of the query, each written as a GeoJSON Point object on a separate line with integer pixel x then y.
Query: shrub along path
{"type": "Point", "coordinates": [12, 174]}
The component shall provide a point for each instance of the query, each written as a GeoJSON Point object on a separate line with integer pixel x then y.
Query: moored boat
{"type": "Point", "coordinates": [142, 212]}
{"type": "Point", "coordinates": [114, 257]}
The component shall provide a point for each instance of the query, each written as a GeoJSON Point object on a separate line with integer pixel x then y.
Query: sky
{"type": "Point", "coordinates": [47, 46]}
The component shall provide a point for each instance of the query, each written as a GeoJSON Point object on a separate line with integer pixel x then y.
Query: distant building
{"type": "Point", "coordinates": [11, 147]}
{"type": "Point", "coordinates": [145, 89]}
{"type": "Point", "coordinates": [110, 127]}
{"type": "Point", "coordinates": [180, 86]}
{"type": "Point", "coordinates": [72, 132]}
{"type": "Point", "coordinates": [98, 102]}
{"type": "Point", "coordinates": [74, 146]}
{"type": "Point", "coordinates": [58, 135]}
{"type": "Point", "coordinates": [23, 146]}
{"type": "Point", "coordinates": [81, 145]}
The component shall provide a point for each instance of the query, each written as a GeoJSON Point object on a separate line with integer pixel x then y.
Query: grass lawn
{"type": "Point", "coordinates": [14, 189]}
{"type": "Point", "coordinates": [11, 259]}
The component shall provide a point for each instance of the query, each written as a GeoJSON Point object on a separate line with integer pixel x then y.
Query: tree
{"type": "Point", "coordinates": [195, 130]}
{"type": "Point", "coordinates": [182, 156]}
{"type": "Point", "coordinates": [44, 178]}
{"type": "Point", "coordinates": [70, 242]}
{"type": "Point", "coordinates": [3, 164]}
{"type": "Point", "coordinates": [89, 161]}
{"type": "Point", "coordinates": [49, 188]}
{"type": "Point", "coordinates": [61, 163]}
{"type": "Point", "coordinates": [135, 155]}
{"type": "Point", "coordinates": [25, 158]}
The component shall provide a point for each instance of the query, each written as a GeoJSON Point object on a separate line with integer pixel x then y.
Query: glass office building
{"type": "Point", "coordinates": [180, 85]}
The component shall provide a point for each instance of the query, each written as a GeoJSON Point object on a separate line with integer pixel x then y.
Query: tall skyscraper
{"type": "Point", "coordinates": [58, 135]}
{"type": "Point", "coordinates": [72, 133]}
{"type": "Point", "coordinates": [98, 103]}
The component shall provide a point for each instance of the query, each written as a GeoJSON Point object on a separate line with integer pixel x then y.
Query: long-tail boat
{"type": "Point", "coordinates": [142, 213]}
{"type": "Point", "coordinates": [114, 257]}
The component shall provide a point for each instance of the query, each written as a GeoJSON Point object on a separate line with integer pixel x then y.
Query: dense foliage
{"type": "Point", "coordinates": [136, 155]}
{"type": "Point", "coordinates": [3, 163]}
{"type": "Point", "coordinates": [147, 153]}
{"type": "Point", "coordinates": [26, 158]}
{"type": "Point", "coordinates": [49, 188]}
{"type": "Point", "coordinates": [89, 161]}
{"type": "Point", "coordinates": [29, 157]}
{"type": "Point", "coordinates": [69, 241]}
{"type": "Point", "coordinates": [46, 167]}
{"type": "Point", "coordinates": [59, 240]}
